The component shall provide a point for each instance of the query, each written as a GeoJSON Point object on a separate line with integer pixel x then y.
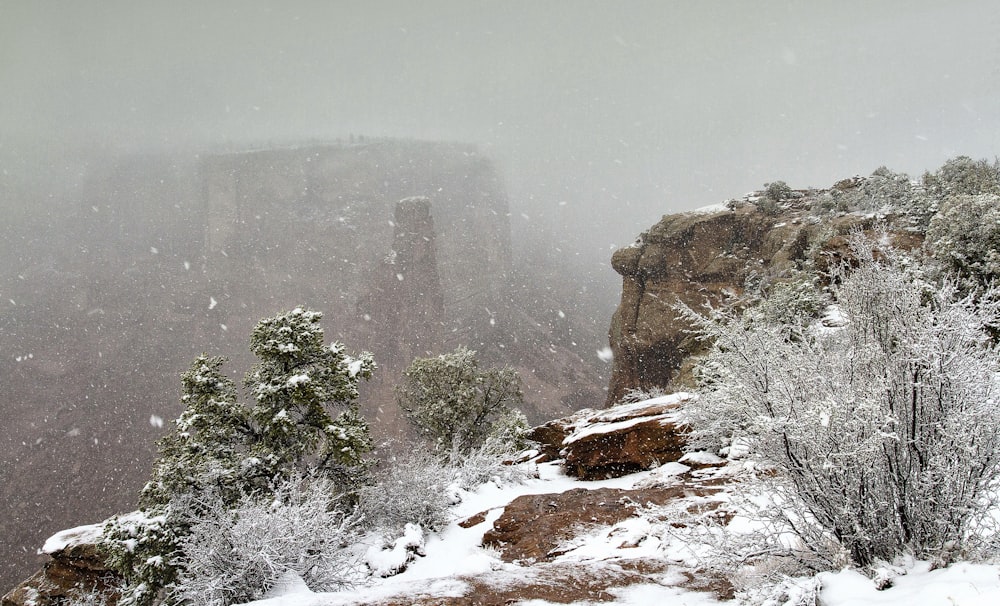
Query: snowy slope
{"type": "Point", "coordinates": [454, 564]}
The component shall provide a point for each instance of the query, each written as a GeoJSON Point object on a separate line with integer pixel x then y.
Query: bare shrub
{"type": "Point", "coordinates": [235, 554]}
{"type": "Point", "coordinates": [883, 430]}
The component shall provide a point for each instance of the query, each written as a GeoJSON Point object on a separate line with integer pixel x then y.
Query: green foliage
{"type": "Point", "coordinates": [455, 403]}
{"type": "Point", "coordinates": [777, 191]}
{"type": "Point", "coordinates": [963, 175]}
{"type": "Point", "coordinates": [509, 428]}
{"type": "Point", "coordinates": [223, 453]}
{"type": "Point", "coordinates": [882, 190]}
{"type": "Point", "coordinates": [211, 438]}
{"type": "Point", "coordinates": [141, 547]}
{"type": "Point", "coordinates": [293, 385]}
{"type": "Point", "coordinates": [794, 301]}
{"type": "Point", "coordinates": [774, 194]}
{"type": "Point", "coordinates": [965, 237]}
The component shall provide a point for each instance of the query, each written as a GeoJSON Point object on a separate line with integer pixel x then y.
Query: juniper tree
{"type": "Point", "coordinates": [295, 384]}
{"type": "Point", "coordinates": [965, 237]}
{"type": "Point", "coordinates": [458, 405]}
{"type": "Point", "coordinates": [210, 439]}
{"type": "Point", "coordinates": [223, 453]}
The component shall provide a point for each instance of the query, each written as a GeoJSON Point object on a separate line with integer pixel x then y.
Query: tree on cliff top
{"type": "Point", "coordinates": [294, 385]}
{"type": "Point", "coordinates": [210, 439]}
{"type": "Point", "coordinates": [231, 447]}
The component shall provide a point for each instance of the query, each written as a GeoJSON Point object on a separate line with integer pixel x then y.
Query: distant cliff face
{"type": "Point", "coordinates": [699, 258]}
{"type": "Point", "coordinates": [327, 212]}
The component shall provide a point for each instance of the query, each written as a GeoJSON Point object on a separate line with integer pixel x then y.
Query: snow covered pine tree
{"type": "Point", "coordinates": [223, 452]}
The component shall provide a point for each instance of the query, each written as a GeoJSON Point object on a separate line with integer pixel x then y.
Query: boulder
{"type": "Point", "coordinates": [616, 441]}
{"type": "Point", "coordinates": [532, 528]}
{"type": "Point", "coordinates": [76, 569]}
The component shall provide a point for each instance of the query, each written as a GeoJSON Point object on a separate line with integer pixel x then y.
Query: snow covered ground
{"type": "Point", "coordinates": [454, 562]}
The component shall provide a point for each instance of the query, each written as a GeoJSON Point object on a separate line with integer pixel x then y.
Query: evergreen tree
{"type": "Point", "coordinates": [210, 441]}
{"type": "Point", "coordinates": [223, 453]}
{"type": "Point", "coordinates": [965, 237]}
{"type": "Point", "coordinates": [294, 385]}
{"type": "Point", "coordinates": [455, 403]}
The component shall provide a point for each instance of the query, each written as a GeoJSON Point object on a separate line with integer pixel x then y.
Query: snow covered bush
{"type": "Point", "coordinates": [883, 191]}
{"type": "Point", "coordinates": [883, 431]}
{"type": "Point", "coordinates": [456, 404]}
{"type": "Point", "coordinates": [412, 488]}
{"type": "Point", "coordinates": [491, 462]}
{"type": "Point", "coordinates": [963, 175]}
{"type": "Point", "coordinates": [795, 299]}
{"type": "Point", "coordinates": [234, 554]}
{"type": "Point", "coordinates": [965, 237]}
{"type": "Point", "coordinates": [775, 194]}
{"type": "Point", "coordinates": [418, 486]}
{"type": "Point", "coordinates": [140, 546]}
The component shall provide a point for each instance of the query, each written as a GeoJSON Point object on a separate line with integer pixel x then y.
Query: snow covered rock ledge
{"type": "Point", "coordinates": [76, 567]}
{"type": "Point", "coordinates": [617, 441]}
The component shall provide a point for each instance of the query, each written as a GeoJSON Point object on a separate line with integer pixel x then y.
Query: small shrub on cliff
{"type": "Point", "coordinates": [235, 553]}
{"type": "Point", "coordinates": [142, 547]}
{"type": "Point", "coordinates": [774, 195]}
{"type": "Point", "coordinates": [883, 430]}
{"type": "Point", "coordinates": [457, 405]}
{"type": "Point", "coordinates": [796, 300]}
{"type": "Point", "coordinates": [412, 488]}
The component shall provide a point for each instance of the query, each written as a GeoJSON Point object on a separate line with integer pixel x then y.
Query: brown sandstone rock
{"type": "Point", "coordinates": [76, 569]}
{"type": "Point", "coordinates": [617, 441]}
{"type": "Point", "coordinates": [706, 257]}
{"type": "Point", "coordinates": [533, 527]}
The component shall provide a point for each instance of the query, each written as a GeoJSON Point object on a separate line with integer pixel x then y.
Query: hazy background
{"type": "Point", "coordinates": [601, 117]}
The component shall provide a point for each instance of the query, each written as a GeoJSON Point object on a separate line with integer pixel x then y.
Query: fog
{"type": "Point", "coordinates": [604, 115]}
{"type": "Point", "coordinates": [598, 116]}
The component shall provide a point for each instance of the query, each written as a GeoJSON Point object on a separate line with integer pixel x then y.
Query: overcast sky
{"type": "Point", "coordinates": [620, 111]}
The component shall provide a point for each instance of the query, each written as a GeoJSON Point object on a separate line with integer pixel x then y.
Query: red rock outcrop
{"type": "Point", "coordinates": [707, 257]}
{"type": "Point", "coordinates": [75, 569]}
{"type": "Point", "coordinates": [532, 527]}
{"type": "Point", "coordinates": [617, 441]}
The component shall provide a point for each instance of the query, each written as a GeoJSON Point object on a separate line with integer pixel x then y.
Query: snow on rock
{"type": "Point", "coordinates": [702, 458]}
{"type": "Point", "coordinates": [66, 539]}
{"type": "Point", "coordinates": [616, 441]}
{"type": "Point", "coordinates": [388, 562]}
{"type": "Point", "coordinates": [456, 569]}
